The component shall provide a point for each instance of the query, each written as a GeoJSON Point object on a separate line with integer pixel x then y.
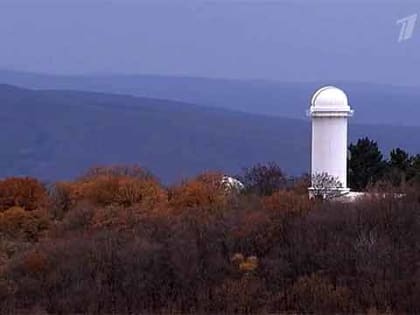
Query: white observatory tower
{"type": "Point", "coordinates": [329, 112]}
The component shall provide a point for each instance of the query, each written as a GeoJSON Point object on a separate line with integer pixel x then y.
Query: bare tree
{"type": "Point", "coordinates": [325, 186]}
{"type": "Point", "coordinates": [263, 179]}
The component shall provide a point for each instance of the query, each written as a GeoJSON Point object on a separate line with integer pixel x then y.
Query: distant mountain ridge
{"type": "Point", "coordinates": [59, 134]}
{"type": "Point", "coordinates": [373, 103]}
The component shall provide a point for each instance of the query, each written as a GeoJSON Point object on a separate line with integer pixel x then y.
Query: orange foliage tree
{"type": "Point", "coordinates": [18, 223]}
{"type": "Point", "coordinates": [119, 186]}
{"type": "Point", "coordinates": [203, 192]}
{"type": "Point", "coordinates": [27, 193]}
{"type": "Point", "coordinates": [287, 201]}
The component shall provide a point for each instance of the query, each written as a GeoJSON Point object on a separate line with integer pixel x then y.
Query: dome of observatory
{"type": "Point", "coordinates": [330, 97]}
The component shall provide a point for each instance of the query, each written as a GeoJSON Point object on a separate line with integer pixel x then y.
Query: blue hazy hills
{"type": "Point", "coordinates": [374, 103]}
{"type": "Point", "coordinates": [52, 131]}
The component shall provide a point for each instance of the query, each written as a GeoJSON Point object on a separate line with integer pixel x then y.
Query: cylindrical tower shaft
{"type": "Point", "coordinates": [329, 147]}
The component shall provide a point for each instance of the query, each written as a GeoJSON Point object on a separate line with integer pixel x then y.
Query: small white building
{"type": "Point", "coordinates": [330, 111]}
{"type": "Point", "coordinates": [232, 184]}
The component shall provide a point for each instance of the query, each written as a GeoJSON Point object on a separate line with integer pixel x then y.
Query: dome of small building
{"type": "Point", "coordinates": [330, 97]}
{"type": "Point", "coordinates": [232, 184]}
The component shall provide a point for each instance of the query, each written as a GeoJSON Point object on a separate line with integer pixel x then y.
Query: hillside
{"type": "Point", "coordinates": [399, 105]}
{"type": "Point", "coordinates": [58, 134]}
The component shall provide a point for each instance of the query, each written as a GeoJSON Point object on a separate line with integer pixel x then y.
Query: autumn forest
{"type": "Point", "coordinates": [117, 241]}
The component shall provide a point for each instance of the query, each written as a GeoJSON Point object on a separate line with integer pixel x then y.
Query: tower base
{"type": "Point", "coordinates": [325, 194]}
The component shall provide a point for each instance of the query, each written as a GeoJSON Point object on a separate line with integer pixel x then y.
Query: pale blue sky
{"type": "Point", "coordinates": [296, 40]}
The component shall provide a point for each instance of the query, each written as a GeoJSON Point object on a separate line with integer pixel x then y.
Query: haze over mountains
{"type": "Point", "coordinates": [56, 134]}
{"type": "Point", "coordinates": [374, 103]}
